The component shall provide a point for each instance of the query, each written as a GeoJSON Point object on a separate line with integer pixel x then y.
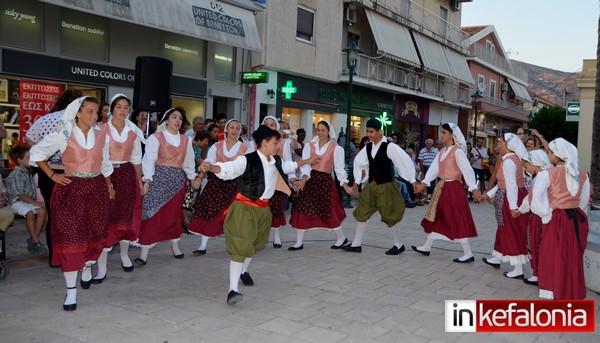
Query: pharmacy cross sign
{"type": "Point", "coordinates": [385, 120]}
{"type": "Point", "coordinates": [288, 90]}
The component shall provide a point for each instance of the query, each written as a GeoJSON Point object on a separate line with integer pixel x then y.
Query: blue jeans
{"type": "Point", "coordinates": [403, 190]}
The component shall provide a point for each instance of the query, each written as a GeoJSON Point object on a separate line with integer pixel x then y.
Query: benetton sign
{"type": "Point", "coordinates": [216, 19]}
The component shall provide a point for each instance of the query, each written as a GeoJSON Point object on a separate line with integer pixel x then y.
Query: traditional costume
{"type": "Point", "coordinates": [80, 208]}
{"type": "Point", "coordinates": [126, 209]}
{"type": "Point", "coordinates": [249, 217]}
{"type": "Point", "coordinates": [539, 159]}
{"type": "Point", "coordinates": [168, 161]}
{"type": "Point", "coordinates": [380, 194]}
{"type": "Point", "coordinates": [318, 205]}
{"type": "Point", "coordinates": [449, 214]}
{"type": "Point", "coordinates": [210, 206]}
{"type": "Point", "coordinates": [511, 235]}
{"type": "Point", "coordinates": [560, 198]}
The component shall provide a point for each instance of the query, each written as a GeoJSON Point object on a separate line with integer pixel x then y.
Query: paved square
{"type": "Point", "coordinates": [313, 295]}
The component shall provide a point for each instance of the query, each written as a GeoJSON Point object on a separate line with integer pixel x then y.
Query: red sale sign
{"type": "Point", "coordinates": [36, 99]}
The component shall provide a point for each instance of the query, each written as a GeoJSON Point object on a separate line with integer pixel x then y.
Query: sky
{"type": "Point", "coordinates": [549, 33]}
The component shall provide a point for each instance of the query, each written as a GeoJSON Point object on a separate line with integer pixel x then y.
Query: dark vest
{"type": "Point", "coordinates": [381, 168]}
{"type": "Point", "coordinates": [251, 183]}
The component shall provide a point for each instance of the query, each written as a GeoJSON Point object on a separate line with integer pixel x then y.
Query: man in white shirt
{"type": "Point", "coordinates": [479, 154]}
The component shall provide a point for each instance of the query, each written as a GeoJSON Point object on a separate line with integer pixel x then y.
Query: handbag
{"type": "Point", "coordinates": [190, 198]}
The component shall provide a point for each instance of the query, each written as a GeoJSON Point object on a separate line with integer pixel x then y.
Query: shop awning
{"type": "Point", "coordinates": [458, 66]}
{"type": "Point", "coordinates": [520, 90]}
{"type": "Point", "coordinates": [432, 53]}
{"type": "Point", "coordinates": [393, 39]}
{"type": "Point", "coordinates": [203, 19]}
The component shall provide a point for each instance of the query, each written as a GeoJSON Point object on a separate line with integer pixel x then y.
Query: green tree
{"type": "Point", "coordinates": [550, 122]}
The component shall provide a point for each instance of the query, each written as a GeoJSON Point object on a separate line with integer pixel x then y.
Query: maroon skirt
{"type": "Point", "coordinates": [535, 232]}
{"type": "Point", "coordinates": [560, 265]}
{"type": "Point", "coordinates": [453, 217]}
{"type": "Point", "coordinates": [79, 221]}
{"type": "Point", "coordinates": [126, 210]}
{"type": "Point", "coordinates": [277, 205]}
{"type": "Point", "coordinates": [166, 224]}
{"type": "Point", "coordinates": [511, 238]}
{"type": "Point", "coordinates": [210, 206]}
{"type": "Point", "coordinates": [316, 207]}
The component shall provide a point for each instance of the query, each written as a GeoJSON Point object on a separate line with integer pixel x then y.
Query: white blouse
{"type": "Point", "coordinates": [211, 156]}
{"type": "Point", "coordinates": [540, 204]}
{"type": "Point", "coordinates": [338, 160]}
{"type": "Point", "coordinates": [54, 141]}
{"type": "Point", "coordinates": [463, 164]}
{"type": "Point", "coordinates": [510, 179]}
{"type": "Point", "coordinates": [401, 160]}
{"type": "Point", "coordinates": [232, 169]}
{"type": "Point", "coordinates": [136, 154]}
{"type": "Point", "coordinates": [151, 155]}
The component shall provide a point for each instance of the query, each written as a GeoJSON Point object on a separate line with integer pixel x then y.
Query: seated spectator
{"type": "Point", "coordinates": [22, 197]}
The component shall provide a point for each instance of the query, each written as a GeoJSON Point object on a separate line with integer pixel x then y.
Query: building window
{"type": "Point", "coordinates": [224, 62]}
{"type": "Point", "coordinates": [492, 88]}
{"type": "Point", "coordinates": [480, 80]}
{"type": "Point", "coordinates": [443, 21]}
{"type": "Point", "coordinates": [83, 35]}
{"type": "Point", "coordinates": [490, 47]}
{"type": "Point", "coordinates": [305, 24]}
{"type": "Point", "coordinates": [21, 23]}
{"type": "Point", "coordinates": [186, 53]}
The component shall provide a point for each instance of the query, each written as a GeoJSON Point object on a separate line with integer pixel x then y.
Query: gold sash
{"type": "Point", "coordinates": [435, 197]}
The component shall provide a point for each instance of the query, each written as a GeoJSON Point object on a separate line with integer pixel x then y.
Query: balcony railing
{"type": "Point", "coordinates": [418, 18]}
{"type": "Point", "coordinates": [486, 54]}
{"type": "Point", "coordinates": [507, 105]}
{"type": "Point", "coordinates": [390, 73]}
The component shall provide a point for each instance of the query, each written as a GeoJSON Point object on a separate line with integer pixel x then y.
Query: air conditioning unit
{"type": "Point", "coordinates": [455, 5]}
{"type": "Point", "coordinates": [350, 15]}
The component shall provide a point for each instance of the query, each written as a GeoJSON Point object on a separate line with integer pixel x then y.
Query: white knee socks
{"type": "Point", "coordinates": [175, 246]}
{"type": "Point", "coordinates": [102, 260]}
{"type": "Point", "coordinates": [340, 236]}
{"type": "Point", "coordinates": [144, 250]}
{"type": "Point", "coordinates": [361, 227]}
{"type": "Point", "coordinates": [235, 270]}
{"type": "Point", "coordinates": [466, 249]}
{"type": "Point", "coordinates": [246, 264]}
{"type": "Point", "coordinates": [71, 282]}
{"type": "Point", "coordinates": [203, 242]}
{"type": "Point", "coordinates": [125, 260]}
{"type": "Point", "coordinates": [518, 270]}
{"type": "Point", "coordinates": [276, 238]}
{"type": "Point", "coordinates": [299, 238]}
{"type": "Point", "coordinates": [86, 273]}
{"type": "Point", "coordinates": [396, 232]}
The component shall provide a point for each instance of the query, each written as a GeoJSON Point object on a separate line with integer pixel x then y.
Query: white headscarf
{"type": "Point", "coordinates": [67, 122]}
{"type": "Point", "coordinates": [272, 118]}
{"type": "Point", "coordinates": [459, 138]}
{"type": "Point", "coordinates": [332, 134]}
{"type": "Point", "coordinates": [568, 153]}
{"type": "Point", "coordinates": [138, 132]}
{"type": "Point", "coordinates": [539, 158]}
{"type": "Point", "coordinates": [163, 123]}
{"type": "Point", "coordinates": [514, 144]}
{"type": "Point", "coordinates": [227, 124]}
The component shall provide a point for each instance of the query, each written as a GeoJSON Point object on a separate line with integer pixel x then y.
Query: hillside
{"type": "Point", "coordinates": [548, 83]}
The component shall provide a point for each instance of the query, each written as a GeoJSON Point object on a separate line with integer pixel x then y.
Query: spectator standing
{"type": "Point", "coordinates": [425, 159]}
{"type": "Point", "coordinates": [479, 155]}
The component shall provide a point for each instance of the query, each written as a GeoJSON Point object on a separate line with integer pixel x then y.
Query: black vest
{"type": "Point", "coordinates": [381, 168]}
{"type": "Point", "coordinates": [251, 183]}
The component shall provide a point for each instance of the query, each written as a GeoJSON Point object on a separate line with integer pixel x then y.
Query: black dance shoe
{"type": "Point", "coordinates": [422, 252]}
{"type": "Point", "coordinates": [139, 262]}
{"type": "Point", "coordinates": [495, 265]}
{"type": "Point", "coordinates": [234, 297]}
{"type": "Point", "coordinates": [277, 246]}
{"type": "Point", "coordinates": [293, 248]}
{"type": "Point", "coordinates": [98, 281]}
{"type": "Point", "coordinates": [179, 257]}
{"type": "Point", "coordinates": [127, 269]}
{"type": "Point", "coordinates": [69, 307]}
{"type": "Point", "coordinates": [518, 277]}
{"type": "Point", "coordinates": [335, 247]}
{"type": "Point", "coordinates": [395, 250]}
{"type": "Point", "coordinates": [469, 260]}
{"type": "Point", "coordinates": [350, 248]}
{"type": "Point", "coordinates": [85, 284]}
{"type": "Point", "coordinates": [246, 279]}
{"type": "Point", "coordinates": [529, 282]}
{"type": "Point", "coordinates": [199, 252]}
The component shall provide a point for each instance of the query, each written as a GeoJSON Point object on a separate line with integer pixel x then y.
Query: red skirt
{"type": "Point", "coordinates": [453, 217]}
{"type": "Point", "coordinates": [210, 206]}
{"type": "Point", "coordinates": [277, 205]}
{"type": "Point", "coordinates": [166, 224]}
{"type": "Point", "coordinates": [535, 232]}
{"type": "Point", "coordinates": [126, 210]}
{"type": "Point", "coordinates": [511, 238]}
{"type": "Point", "coordinates": [560, 266]}
{"type": "Point", "coordinates": [316, 208]}
{"type": "Point", "coordinates": [79, 221]}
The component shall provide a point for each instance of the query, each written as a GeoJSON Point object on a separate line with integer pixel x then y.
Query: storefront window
{"type": "Point", "coordinates": [192, 107]}
{"type": "Point", "coordinates": [83, 35]}
{"type": "Point", "coordinates": [224, 62]}
{"type": "Point", "coordinates": [21, 24]}
{"type": "Point", "coordinates": [292, 116]}
{"type": "Point", "coordinates": [186, 53]}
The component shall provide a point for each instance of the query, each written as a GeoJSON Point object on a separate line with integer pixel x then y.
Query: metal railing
{"type": "Point", "coordinates": [390, 73]}
{"type": "Point", "coordinates": [490, 56]}
{"type": "Point", "coordinates": [508, 105]}
{"type": "Point", "coordinates": [419, 18]}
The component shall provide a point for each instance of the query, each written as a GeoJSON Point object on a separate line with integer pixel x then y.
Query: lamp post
{"type": "Point", "coordinates": [352, 52]}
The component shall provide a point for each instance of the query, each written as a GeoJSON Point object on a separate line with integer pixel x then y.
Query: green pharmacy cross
{"type": "Point", "coordinates": [385, 120]}
{"type": "Point", "coordinates": [288, 90]}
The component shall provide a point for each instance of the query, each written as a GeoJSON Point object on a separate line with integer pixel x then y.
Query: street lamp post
{"type": "Point", "coordinates": [475, 97]}
{"type": "Point", "coordinates": [352, 52]}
